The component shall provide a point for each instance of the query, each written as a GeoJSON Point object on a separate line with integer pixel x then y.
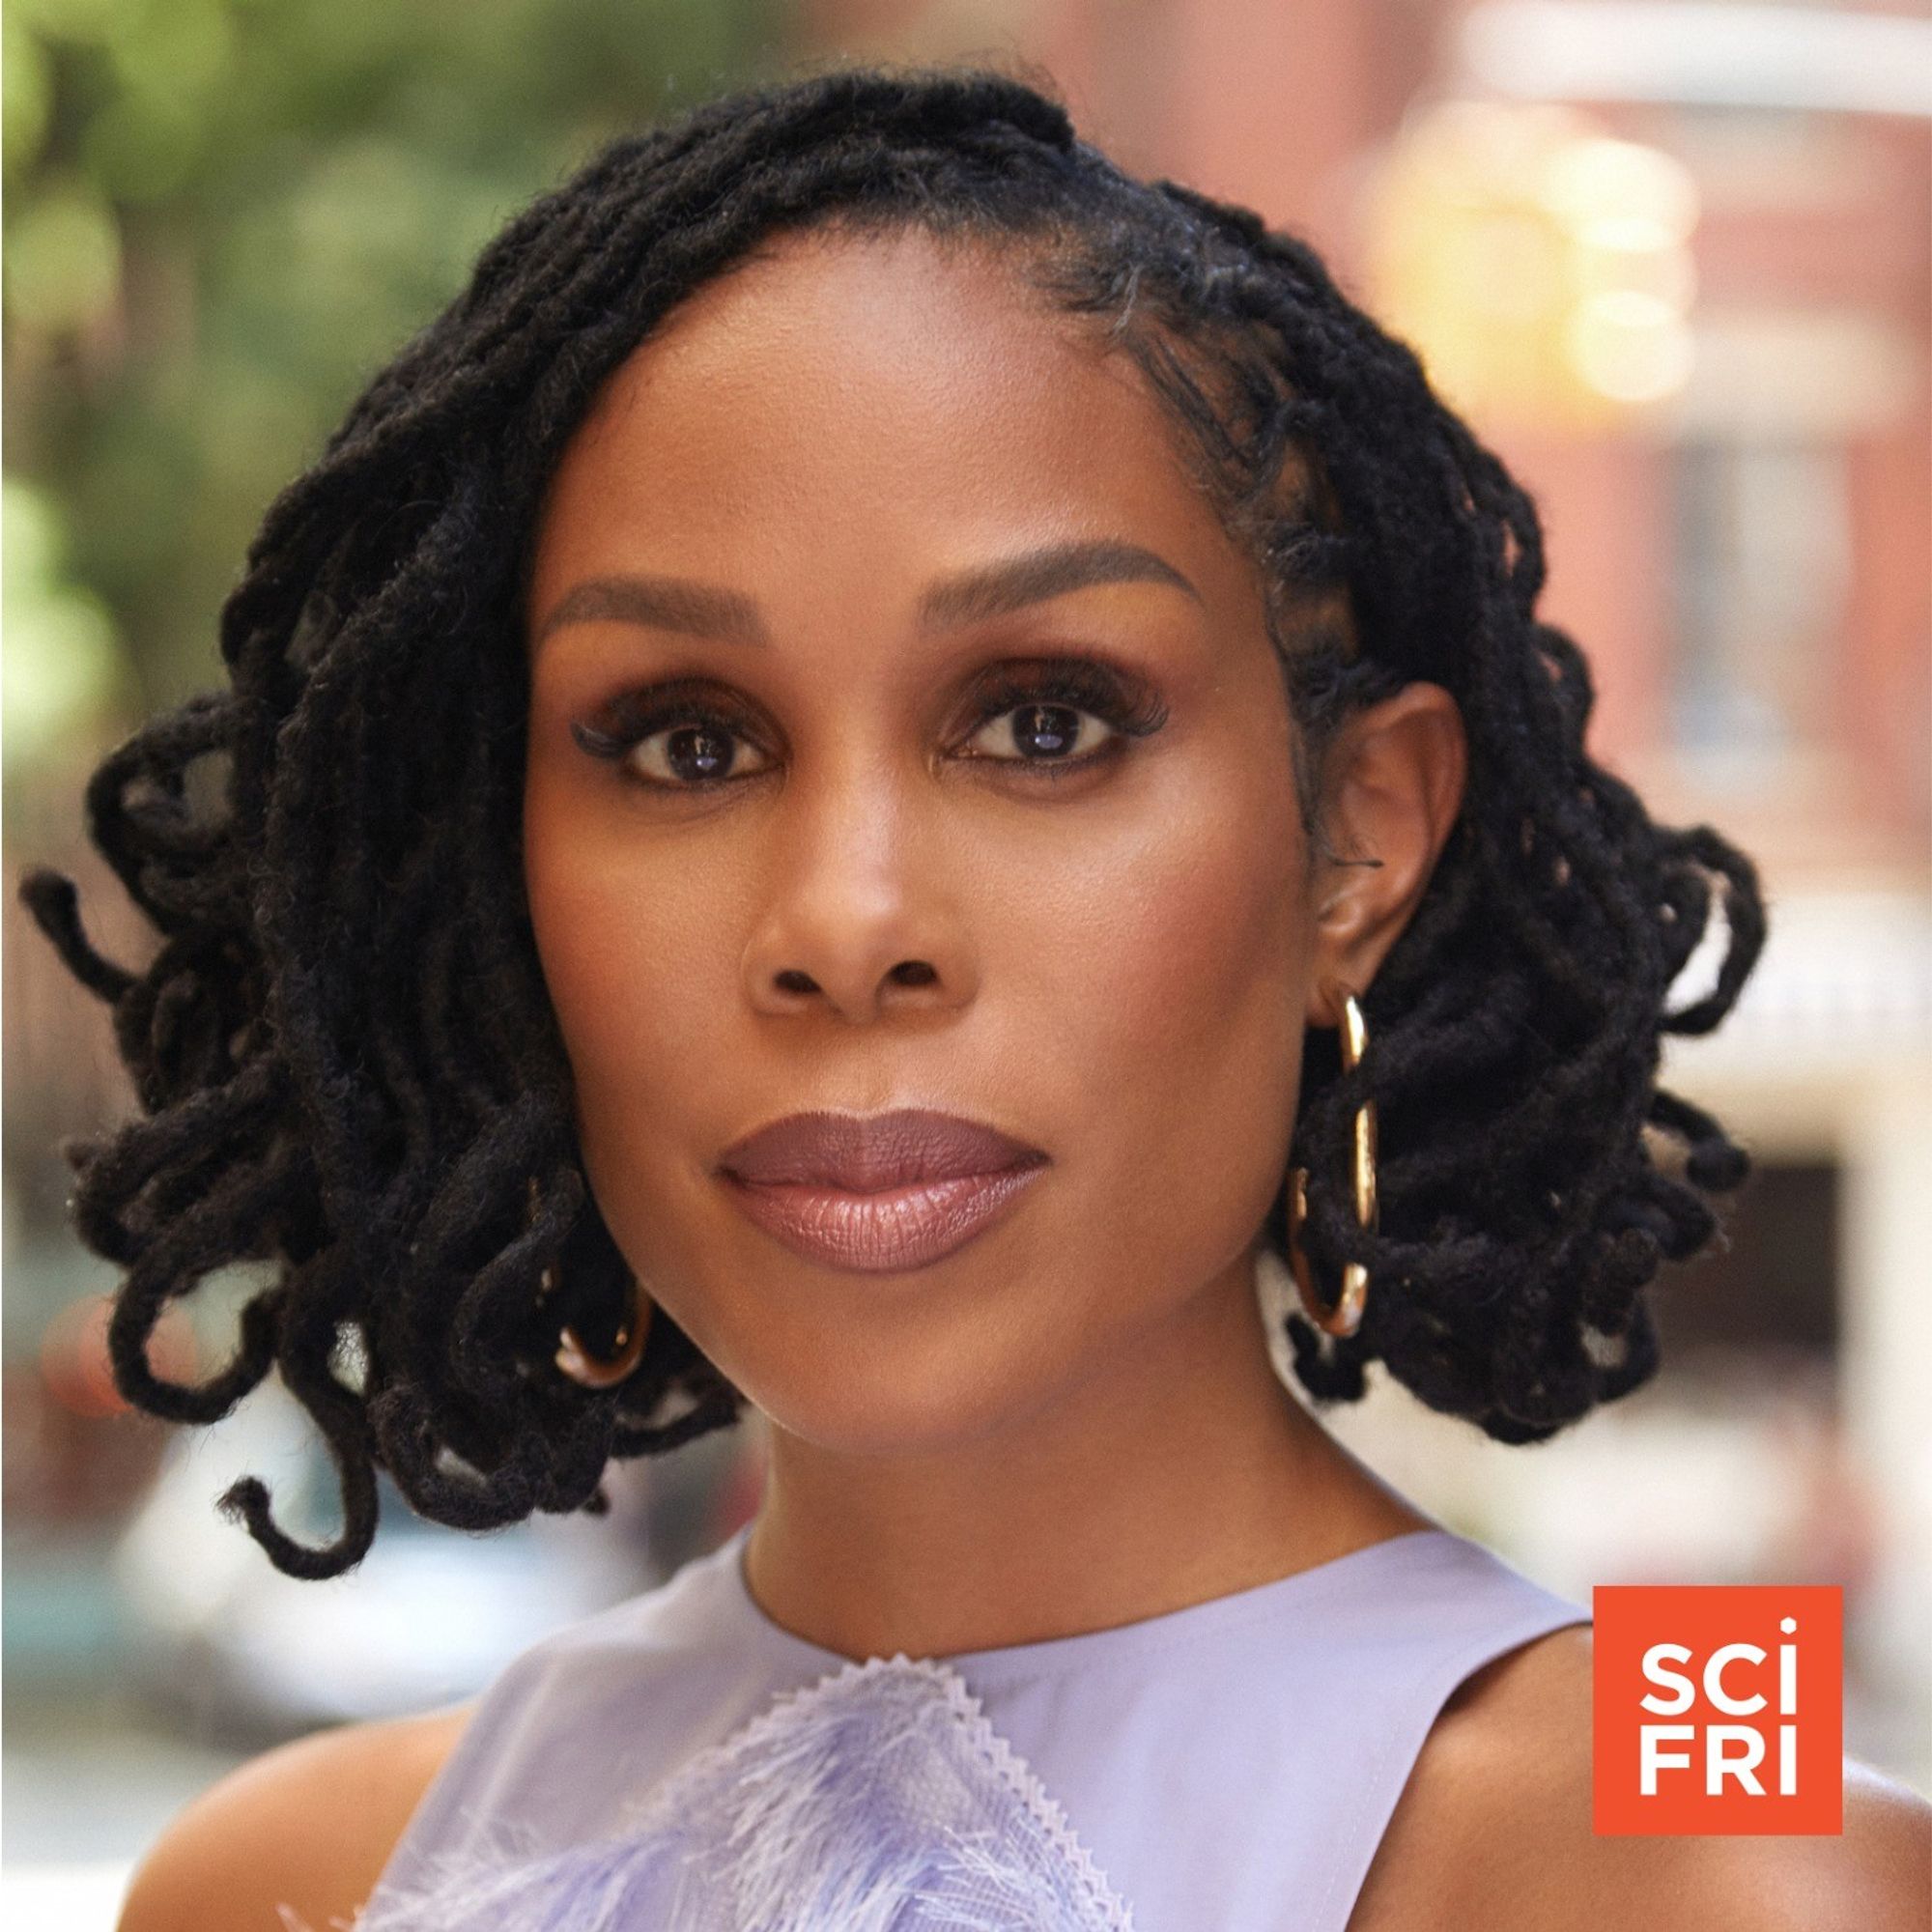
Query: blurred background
{"type": "Point", "coordinates": [1672, 260]}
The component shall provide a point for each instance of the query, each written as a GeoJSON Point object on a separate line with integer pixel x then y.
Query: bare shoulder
{"type": "Point", "coordinates": [308, 1826]}
{"type": "Point", "coordinates": [1496, 1817]}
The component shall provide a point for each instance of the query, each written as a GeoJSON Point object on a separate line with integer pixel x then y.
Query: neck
{"type": "Point", "coordinates": [1177, 1470]}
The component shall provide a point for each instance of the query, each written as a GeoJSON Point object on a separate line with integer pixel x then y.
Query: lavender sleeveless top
{"type": "Point", "coordinates": [681, 1763]}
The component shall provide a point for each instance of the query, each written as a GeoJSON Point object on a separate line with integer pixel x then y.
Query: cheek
{"type": "Point", "coordinates": [1176, 971]}
{"type": "Point", "coordinates": [637, 961]}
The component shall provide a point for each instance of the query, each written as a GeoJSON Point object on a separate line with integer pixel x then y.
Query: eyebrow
{"type": "Point", "coordinates": [974, 596]}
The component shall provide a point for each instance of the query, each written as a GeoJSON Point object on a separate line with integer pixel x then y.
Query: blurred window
{"type": "Point", "coordinates": [1773, 1285]}
{"type": "Point", "coordinates": [1762, 556]}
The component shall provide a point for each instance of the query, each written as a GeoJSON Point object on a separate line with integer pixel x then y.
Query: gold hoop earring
{"type": "Point", "coordinates": [606, 1370]}
{"type": "Point", "coordinates": [1343, 1315]}
{"type": "Point", "coordinates": [574, 1358]}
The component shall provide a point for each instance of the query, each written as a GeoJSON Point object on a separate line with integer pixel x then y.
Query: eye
{"type": "Point", "coordinates": [1059, 713]}
{"type": "Point", "coordinates": [675, 739]}
{"type": "Point", "coordinates": [1043, 734]}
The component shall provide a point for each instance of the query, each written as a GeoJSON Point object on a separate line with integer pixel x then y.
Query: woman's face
{"type": "Point", "coordinates": [905, 884]}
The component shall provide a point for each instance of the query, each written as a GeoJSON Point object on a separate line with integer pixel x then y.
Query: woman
{"type": "Point", "coordinates": [885, 773]}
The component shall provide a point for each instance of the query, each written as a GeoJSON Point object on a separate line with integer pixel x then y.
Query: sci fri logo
{"type": "Point", "coordinates": [1718, 1708]}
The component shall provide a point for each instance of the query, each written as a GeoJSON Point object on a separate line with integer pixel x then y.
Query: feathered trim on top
{"type": "Point", "coordinates": [879, 1799]}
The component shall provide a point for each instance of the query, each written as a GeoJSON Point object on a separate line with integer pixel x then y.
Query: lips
{"type": "Point", "coordinates": [877, 1192]}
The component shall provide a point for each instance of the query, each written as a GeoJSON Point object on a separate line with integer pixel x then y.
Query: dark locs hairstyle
{"type": "Point", "coordinates": [348, 1064]}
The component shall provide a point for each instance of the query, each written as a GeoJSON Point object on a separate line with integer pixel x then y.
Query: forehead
{"type": "Point", "coordinates": [861, 397]}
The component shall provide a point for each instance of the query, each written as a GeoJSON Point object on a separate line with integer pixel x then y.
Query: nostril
{"type": "Point", "coordinates": [913, 973]}
{"type": "Point", "coordinates": [795, 982]}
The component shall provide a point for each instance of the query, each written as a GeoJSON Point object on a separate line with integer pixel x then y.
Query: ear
{"type": "Point", "coordinates": [1392, 785]}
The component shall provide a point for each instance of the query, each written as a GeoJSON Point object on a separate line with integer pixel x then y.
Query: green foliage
{"type": "Point", "coordinates": [223, 215]}
{"type": "Point", "coordinates": [61, 662]}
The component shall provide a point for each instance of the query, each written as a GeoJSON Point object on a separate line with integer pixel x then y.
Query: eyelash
{"type": "Point", "coordinates": [1078, 684]}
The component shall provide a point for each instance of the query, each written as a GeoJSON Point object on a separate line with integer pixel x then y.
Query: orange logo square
{"type": "Point", "coordinates": [1718, 1708]}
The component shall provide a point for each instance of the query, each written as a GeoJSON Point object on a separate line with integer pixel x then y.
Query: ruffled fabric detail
{"type": "Point", "coordinates": [879, 1799]}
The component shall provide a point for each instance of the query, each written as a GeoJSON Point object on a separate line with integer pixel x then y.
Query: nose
{"type": "Point", "coordinates": [860, 914]}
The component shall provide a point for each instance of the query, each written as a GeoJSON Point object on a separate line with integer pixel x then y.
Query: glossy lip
{"type": "Point", "coordinates": [877, 1193]}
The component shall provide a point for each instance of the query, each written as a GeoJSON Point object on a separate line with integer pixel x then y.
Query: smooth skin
{"type": "Point", "coordinates": [797, 498]}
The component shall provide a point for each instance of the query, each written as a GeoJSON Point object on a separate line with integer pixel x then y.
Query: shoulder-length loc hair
{"type": "Point", "coordinates": [344, 1050]}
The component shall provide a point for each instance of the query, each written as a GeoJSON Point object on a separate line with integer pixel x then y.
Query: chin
{"type": "Point", "coordinates": [864, 1394]}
